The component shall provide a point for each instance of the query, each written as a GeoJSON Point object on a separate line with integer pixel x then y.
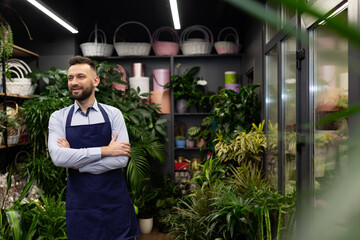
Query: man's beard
{"type": "Point", "coordinates": [86, 93]}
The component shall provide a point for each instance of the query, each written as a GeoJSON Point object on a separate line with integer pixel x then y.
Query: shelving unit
{"type": "Point", "coordinates": [18, 52]}
{"type": "Point", "coordinates": [212, 68]}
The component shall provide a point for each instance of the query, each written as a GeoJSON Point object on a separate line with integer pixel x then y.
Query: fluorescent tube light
{"type": "Point", "coordinates": [336, 12]}
{"type": "Point", "coordinates": [175, 13]}
{"type": "Point", "coordinates": [45, 9]}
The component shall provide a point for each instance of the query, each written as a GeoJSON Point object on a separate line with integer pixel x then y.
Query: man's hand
{"type": "Point", "coordinates": [116, 148]}
{"type": "Point", "coordinates": [62, 142]}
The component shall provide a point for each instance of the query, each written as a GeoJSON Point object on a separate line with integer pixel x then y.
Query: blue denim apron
{"type": "Point", "coordinates": [98, 206]}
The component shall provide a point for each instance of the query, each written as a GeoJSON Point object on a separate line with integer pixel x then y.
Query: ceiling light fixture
{"type": "Point", "coordinates": [175, 13]}
{"type": "Point", "coordinates": [45, 9]}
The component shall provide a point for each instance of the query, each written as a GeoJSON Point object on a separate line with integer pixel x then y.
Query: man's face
{"type": "Point", "coordinates": [81, 81]}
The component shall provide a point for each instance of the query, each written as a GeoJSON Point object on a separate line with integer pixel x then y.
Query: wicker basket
{"type": "Point", "coordinates": [19, 84]}
{"type": "Point", "coordinates": [227, 47]}
{"type": "Point", "coordinates": [13, 133]}
{"type": "Point", "coordinates": [193, 46]}
{"type": "Point", "coordinates": [97, 49]}
{"type": "Point", "coordinates": [119, 86]}
{"type": "Point", "coordinates": [132, 48]}
{"type": "Point", "coordinates": [162, 48]}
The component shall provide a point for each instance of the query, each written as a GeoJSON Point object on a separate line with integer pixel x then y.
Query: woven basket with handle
{"type": "Point", "coordinates": [193, 46]}
{"type": "Point", "coordinates": [132, 48]}
{"type": "Point", "coordinates": [162, 48]}
{"type": "Point", "coordinates": [225, 46]}
{"type": "Point", "coordinates": [97, 49]}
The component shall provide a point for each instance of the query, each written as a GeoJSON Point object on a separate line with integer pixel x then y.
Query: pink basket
{"type": "Point", "coordinates": [119, 86]}
{"type": "Point", "coordinates": [227, 47]}
{"type": "Point", "coordinates": [162, 48]}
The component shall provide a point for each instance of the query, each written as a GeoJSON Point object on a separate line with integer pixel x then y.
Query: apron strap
{"type": "Point", "coordinates": [106, 117]}
{"type": "Point", "coordinates": [69, 116]}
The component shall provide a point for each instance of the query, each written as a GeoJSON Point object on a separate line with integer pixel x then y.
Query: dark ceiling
{"type": "Point", "coordinates": [109, 14]}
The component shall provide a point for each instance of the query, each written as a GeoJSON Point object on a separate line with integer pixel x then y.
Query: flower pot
{"type": "Point", "coordinates": [190, 143]}
{"type": "Point", "coordinates": [201, 142]}
{"type": "Point", "coordinates": [180, 143]}
{"type": "Point", "coordinates": [205, 108]}
{"type": "Point", "coordinates": [181, 106]}
{"type": "Point", "coordinates": [146, 225]}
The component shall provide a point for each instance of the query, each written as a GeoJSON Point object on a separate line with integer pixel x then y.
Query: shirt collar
{"type": "Point", "coordinates": [95, 106]}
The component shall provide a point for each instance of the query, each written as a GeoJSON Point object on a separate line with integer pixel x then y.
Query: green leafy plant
{"type": "Point", "coordinates": [145, 199]}
{"type": "Point", "coordinates": [147, 131]}
{"type": "Point", "coordinates": [236, 111]}
{"type": "Point", "coordinates": [15, 224]}
{"type": "Point", "coordinates": [6, 44]}
{"type": "Point", "coordinates": [193, 132]}
{"type": "Point", "coordinates": [50, 212]}
{"type": "Point", "coordinates": [244, 147]}
{"type": "Point", "coordinates": [182, 85]}
{"type": "Point", "coordinates": [50, 178]}
{"type": "Point", "coordinates": [180, 138]}
{"type": "Point", "coordinates": [108, 73]}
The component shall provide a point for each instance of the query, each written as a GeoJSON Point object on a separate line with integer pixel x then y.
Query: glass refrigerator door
{"type": "Point", "coordinates": [288, 98]}
{"type": "Point", "coordinates": [272, 114]}
{"type": "Point", "coordinates": [330, 94]}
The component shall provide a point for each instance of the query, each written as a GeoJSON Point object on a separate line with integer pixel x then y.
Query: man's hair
{"type": "Point", "coordinates": [82, 60]}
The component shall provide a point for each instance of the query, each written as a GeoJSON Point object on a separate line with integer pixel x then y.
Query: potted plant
{"type": "Point", "coordinates": [3, 120]}
{"type": "Point", "coordinates": [6, 43]}
{"type": "Point", "coordinates": [145, 201]}
{"type": "Point", "coordinates": [236, 111]}
{"type": "Point", "coordinates": [182, 86]}
{"type": "Point", "coordinates": [200, 96]}
{"type": "Point", "coordinates": [243, 148]}
{"type": "Point", "coordinates": [192, 132]}
{"type": "Point", "coordinates": [180, 141]}
{"type": "Point", "coordinates": [206, 136]}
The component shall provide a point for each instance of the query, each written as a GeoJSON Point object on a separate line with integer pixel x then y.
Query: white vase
{"type": "Point", "coordinates": [146, 224]}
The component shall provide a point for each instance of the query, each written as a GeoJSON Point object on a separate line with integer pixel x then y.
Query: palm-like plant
{"type": "Point", "coordinates": [147, 131]}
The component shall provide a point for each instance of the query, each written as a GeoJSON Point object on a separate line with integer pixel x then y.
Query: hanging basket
{"type": "Point", "coordinates": [225, 46]}
{"type": "Point", "coordinates": [193, 46]}
{"type": "Point", "coordinates": [97, 49]}
{"type": "Point", "coordinates": [162, 48]}
{"type": "Point", "coordinates": [132, 48]}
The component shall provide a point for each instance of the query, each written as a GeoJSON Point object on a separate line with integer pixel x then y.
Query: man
{"type": "Point", "coordinates": [92, 141]}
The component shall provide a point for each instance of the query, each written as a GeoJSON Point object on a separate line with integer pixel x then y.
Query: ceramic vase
{"type": "Point", "coordinates": [180, 143]}
{"type": "Point", "coordinates": [181, 106]}
{"type": "Point", "coordinates": [146, 225]}
{"type": "Point", "coordinates": [190, 143]}
{"type": "Point", "coordinates": [201, 142]}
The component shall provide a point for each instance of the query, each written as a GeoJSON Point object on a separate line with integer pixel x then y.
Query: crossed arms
{"type": "Point", "coordinates": [93, 160]}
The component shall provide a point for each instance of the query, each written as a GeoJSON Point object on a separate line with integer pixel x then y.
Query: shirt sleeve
{"type": "Point", "coordinates": [68, 157]}
{"type": "Point", "coordinates": [110, 163]}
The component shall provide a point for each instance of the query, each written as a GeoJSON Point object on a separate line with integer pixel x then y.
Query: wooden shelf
{"type": "Point", "coordinates": [22, 52]}
{"type": "Point", "coordinates": [12, 145]}
{"type": "Point", "coordinates": [15, 95]}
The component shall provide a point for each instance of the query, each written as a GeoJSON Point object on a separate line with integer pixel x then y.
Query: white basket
{"type": "Point", "coordinates": [196, 45]}
{"type": "Point", "coordinates": [14, 139]}
{"type": "Point", "coordinates": [227, 47]}
{"type": "Point", "coordinates": [19, 85]}
{"type": "Point", "coordinates": [97, 49]}
{"type": "Point", "coordinates": [132, 48]}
